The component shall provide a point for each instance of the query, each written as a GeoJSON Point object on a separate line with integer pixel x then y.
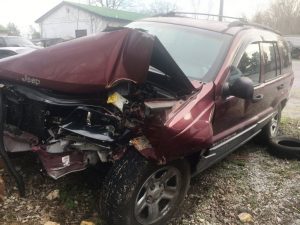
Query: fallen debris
{"type": "Point", "coordinates": [51, 223]}
{"type": "Point", "coordinates": [53, 195]}
{"type": "Point", "coordinates": [86, 223]}
{"type": "Point", "coordinates": [2, 184]}
{"type": "Point", "coordinates": [2, 189]}
{"type": "Point", "coordinates": [245, 217]}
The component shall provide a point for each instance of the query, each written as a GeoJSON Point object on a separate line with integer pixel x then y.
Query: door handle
{"type": "Point", "coordinates": [257, 98]}
{"type": "Point", "coordinates": [281, 86]}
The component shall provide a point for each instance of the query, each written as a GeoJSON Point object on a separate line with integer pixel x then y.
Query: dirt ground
{"type": "Point", "coordinates": [249, 180]}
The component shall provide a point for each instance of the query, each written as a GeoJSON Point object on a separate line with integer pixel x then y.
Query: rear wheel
{"type": "Point", "coordinates": [138, 192]}
{"type": "Point", "coordinates": [271, 129]}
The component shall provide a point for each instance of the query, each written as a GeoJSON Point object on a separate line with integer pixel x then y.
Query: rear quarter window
{"type": "Point", "coordinates": [285, 57]}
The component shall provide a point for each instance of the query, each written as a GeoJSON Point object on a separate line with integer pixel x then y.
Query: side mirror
{"type": "Point", "coordinates": [242, 87]}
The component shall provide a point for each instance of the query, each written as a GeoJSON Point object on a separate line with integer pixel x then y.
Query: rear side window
{"type": "Point", "coordinates": [269, 65]}
{"type": "Point", "coordinates": [285, 56]}
{"type": "Point", "coordinates": [249, 65]}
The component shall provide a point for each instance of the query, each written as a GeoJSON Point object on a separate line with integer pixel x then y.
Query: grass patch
{"type": "Point", "coordinates": [295, 165]}
{"type": "Point", "coordinates": [67, 198]}
{"type": "Point", "coordinates": [238, 162]}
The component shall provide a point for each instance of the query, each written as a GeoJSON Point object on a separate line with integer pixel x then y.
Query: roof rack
{"type": "Point", "coordinates": [242, 23]}
{"type": "Point", "coordinates": [173, 13]}
{"type": "Point", "coordinates": [238, 22]}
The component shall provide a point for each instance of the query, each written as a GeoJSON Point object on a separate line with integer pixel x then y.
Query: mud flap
{"type": "Point", "coordinates": [59, 165]}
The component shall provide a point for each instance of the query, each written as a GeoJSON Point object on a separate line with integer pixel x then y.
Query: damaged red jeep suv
{"type": "Point", "coordinates": [159, 101]}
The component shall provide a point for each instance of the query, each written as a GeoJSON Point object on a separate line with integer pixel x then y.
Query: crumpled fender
{"type": "Point", "coordinates": [186, 131]}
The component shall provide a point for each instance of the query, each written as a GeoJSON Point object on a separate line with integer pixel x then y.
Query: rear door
{"type": "Point", "coordinates": [276, 73]}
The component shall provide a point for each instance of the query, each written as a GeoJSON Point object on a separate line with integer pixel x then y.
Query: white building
{"type": "Point", "coordinates": [70, 20]}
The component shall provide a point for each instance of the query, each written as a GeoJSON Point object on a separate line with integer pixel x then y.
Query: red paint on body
{"type": "Point", "coordinates": [86, 64]}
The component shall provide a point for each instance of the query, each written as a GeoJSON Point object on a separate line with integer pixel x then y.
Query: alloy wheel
{"type": "Point", "coordinates": [158, 195]}
{"type": "Point", "coordinates": [274, 125]}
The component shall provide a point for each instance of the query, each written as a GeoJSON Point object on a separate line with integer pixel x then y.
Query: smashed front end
{"type": "Point", "coordinates": [90, 100]}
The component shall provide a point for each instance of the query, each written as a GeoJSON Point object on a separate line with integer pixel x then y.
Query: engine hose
{"type": "Point", "coordinates": [7, 162]}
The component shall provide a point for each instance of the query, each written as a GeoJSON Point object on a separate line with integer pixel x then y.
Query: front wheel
{"type": "Point", "coordinates": [138, 192]}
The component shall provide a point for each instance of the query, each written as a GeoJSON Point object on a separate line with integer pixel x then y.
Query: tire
{"type": "Point", "coordinates": [285, 147]}
{"type": "Point", "coordinates": [271, 129]}
{"type": "Point", "coordinates": [131, 179]}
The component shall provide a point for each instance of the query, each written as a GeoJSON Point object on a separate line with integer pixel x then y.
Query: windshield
{"type": "Point", "coordinates": [18, 42]}
{"type": "Point", "coordinates": [199, 53]}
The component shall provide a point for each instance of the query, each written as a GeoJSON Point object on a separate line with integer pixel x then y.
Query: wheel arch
{"type": "Point", "coordinates": [283, 103]}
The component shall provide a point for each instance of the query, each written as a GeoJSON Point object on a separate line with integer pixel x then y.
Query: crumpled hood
{"type": "Point", "coordinates": [93, 63]}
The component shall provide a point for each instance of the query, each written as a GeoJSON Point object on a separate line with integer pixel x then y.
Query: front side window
{"type": "Point", "coordinates": [249, 65]}
{"type": "Point", "coordinates": [269, 65]}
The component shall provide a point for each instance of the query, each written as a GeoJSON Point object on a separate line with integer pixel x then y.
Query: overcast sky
{"type": "Point", "coordinates": [25, 12]}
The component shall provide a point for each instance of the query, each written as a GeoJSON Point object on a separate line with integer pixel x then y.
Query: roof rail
{"type": "Point", "coordinates": [174, 13]}
{"type": "Point", "coordinates": [242, 23]}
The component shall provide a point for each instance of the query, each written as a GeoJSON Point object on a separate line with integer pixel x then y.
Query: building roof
{"type": "Point", "coordinates": [99, 11]}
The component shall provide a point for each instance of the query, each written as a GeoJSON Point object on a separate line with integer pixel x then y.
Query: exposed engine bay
{"type": "Point", "coordinates": [90, 100]}
{"type": "Point", "coordinates": [70, 135]}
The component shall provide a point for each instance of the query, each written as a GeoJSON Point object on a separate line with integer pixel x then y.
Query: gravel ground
{"type": "Point", "coordinates": [249, 180]}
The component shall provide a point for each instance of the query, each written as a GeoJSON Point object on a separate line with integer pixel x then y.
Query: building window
{"type": "Point", "coordinates": [80, 33]}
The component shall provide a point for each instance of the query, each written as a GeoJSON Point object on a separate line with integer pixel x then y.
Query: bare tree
{"type": "Point", "coordinates": [113, 4]}
{"type": "Point", "coordinates": [196, 5]}
{"type": "Point", "coordinates": [12, 29]}
{"type": "Point", "coordinates": [161, 7]}
{"type": "Point", "coordinates": [283, 15]}
{"type": "Point", "coordinates": [34, 34]}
